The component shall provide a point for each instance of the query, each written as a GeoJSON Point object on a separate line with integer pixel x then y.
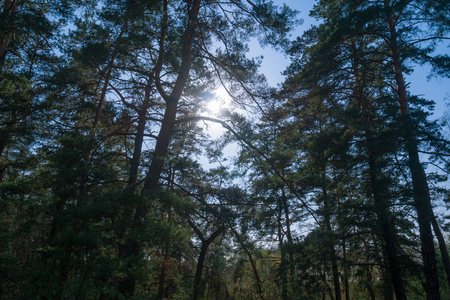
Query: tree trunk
{"type": "Point", "coordinates": [125, 250]}
{"type": "Point", "coordinates": [368, 273]}
{"type": "Point", "coordinates": [4, 140]}
{"type": "Point", "coordinates": [132, 248]}
{"type": "Point", "coordinates": [283, 268]}
{"type": "Point", "coordinates": [421, 192]}
{"type": "Point", "coordinates": [346, 275]}
{"type": "Point", "coordinates": [162, 274]}
{"type": "Point", "coordinates": [252, 262]}
{"type": "Point", "coordinates": [382, 212]}
{"type": "Point", "coordinates": [442, 248]}
{"type": "Point", "coordinates": [10, 11]}
{"type": "Point", "coordinates": [331, 250]}
{"type": "Point", "coordinates": [134, 164]}
{"type": "Point", "coordinates": [288, 231]}
{"type": "Point", "coordinates": [202, 257]}
{"type": "Point", "coordinates": [378, 190]}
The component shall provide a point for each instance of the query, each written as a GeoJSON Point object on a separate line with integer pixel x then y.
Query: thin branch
{"type": "Point", "coordinates": [266, 159]}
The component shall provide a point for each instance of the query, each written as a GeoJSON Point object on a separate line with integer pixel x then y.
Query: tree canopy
{"type": "Point", "coordinates": [113, 185]}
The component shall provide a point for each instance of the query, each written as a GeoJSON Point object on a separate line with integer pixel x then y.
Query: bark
{"type": "Point", "coordinates": [162, 146]}
{"type": "Point", "coordinates": [140, 129]}
{"type": "Point", "coordinates": [168, 123]}
{"type": "Point", "coordinates": [283, 263]}
{"type": "Point", "coordinates": [134, 163]}
{"type": "Point", "coordinates": [132, 248]}
{"type": "Point", "coordinates": [421, 192]}
{"type": "Point", "coordinates": [442, 248]}
{"type": "Point", "coordinates": [202, 256]}
{"type": "Point", "coordinates": [4, 140]}
{"type": "Point", "coordinates": [288, 231]}
{"type": "Point", "coordinates": [346, 275]}
{"type": "Point", "coordinates": [332, 252]}
{"type": "Point", "coordinates": [369, 273]}
{"type": "Point", "coordinates": [162, 275]}
{"type": "Point", "coordinates": [382, 213]}
{"type": "Point", "coordinates": [252, 262]}
{"type": "Point", "coordinates": [378, 192]}
{"type": "Point", "coordinates": [9, 11]}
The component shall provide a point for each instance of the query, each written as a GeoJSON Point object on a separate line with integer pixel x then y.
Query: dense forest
{"type": "Point", "coordinates": [116, 183]}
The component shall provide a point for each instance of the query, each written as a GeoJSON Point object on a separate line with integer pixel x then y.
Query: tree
{"type": "Point", "coordinates": [375, 23]}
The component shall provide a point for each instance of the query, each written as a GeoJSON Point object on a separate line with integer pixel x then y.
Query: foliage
{"type": "Point", "coordinates": [104, 189]}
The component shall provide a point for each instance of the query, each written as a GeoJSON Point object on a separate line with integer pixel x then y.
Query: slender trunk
{"type": "Point", "coordinates": [98, 113]}
{"type": "Point", "coordinates": [331, 250]}
{"type": "Point", "coordinates": [442, 248]}
{"type": "Point", "coordinates": [199, 270]}
{"type": "Point", "coordinates": [134, 164]}
{"type": "Point", "coordinates": [162, 277]}
{"type": "Point", "coordinates": [252, 262]}
{"type": "Point", "coordinates": [4, 140]}
{"type": "Point", "coordinates": [202, 257]}
{"type": "Point", "coordinates": [378, 190]}
{"type": "Point", "coordinates": [288, 232]}
{"type": "Point", "coordinates": [107, 77]}
{"type": "Point", "coordinates": [387, 289]}
{"type": "Point", "coordinates": [129, 206]}
{"type": "Point", "coordinates": [168, 123]}
{"type": "Point", "coordinates": [369, 284]}
{"type": "Point", "coordinates": [369, 273]}
{"type": "Point", "coordinates": [421, 192]}
{"type": "Point", "coordinates": [382, 212]}
{"type": "Point", "coordinates": [162, 274]}
{"type": "Point", "coordinates": [386, 276]}
{"type": "Point", "coordinates": [346, 275]}
{"type": "Point", "coordinates": [130, 248]}
{"type": "Point", "coordinates": [283, 268]}
{"type": "Point", "coordinates": [9, 11]}
{"type": "Point", "coordinates": [424, 219]}
{"type": "Point", "coordinates": [140, 129]}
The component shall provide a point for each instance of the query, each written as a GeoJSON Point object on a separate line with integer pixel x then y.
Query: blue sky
{"type": "Point", "coordinates": [274, 63]}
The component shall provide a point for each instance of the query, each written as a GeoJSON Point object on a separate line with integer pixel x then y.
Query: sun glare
{"type": "Point", "coordinates": [220, 101]}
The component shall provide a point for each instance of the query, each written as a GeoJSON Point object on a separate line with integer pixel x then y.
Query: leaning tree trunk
{"type": "Point", "coordinates": [378, 192]}
{"type": "Point", "coordinates": [442, 248]}
{"type": "Point", "coordinates": [252, 263]}
{"type": "Point", "coordinates": [132, 247]}
{"type": "Point", "coordinates": [421, 191]}
{"type": "Point", "coordinates": [201, 258]}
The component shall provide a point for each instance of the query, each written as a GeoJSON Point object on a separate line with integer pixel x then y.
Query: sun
{"type": "Point", "coordinates": [220, 101]}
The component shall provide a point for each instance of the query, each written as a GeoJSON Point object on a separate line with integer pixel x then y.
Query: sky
{"type": "Point", "coordinates": [274, 63]}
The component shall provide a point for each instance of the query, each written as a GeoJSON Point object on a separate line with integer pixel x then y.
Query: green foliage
{"type": "Point", "coordinates": [98, 98]}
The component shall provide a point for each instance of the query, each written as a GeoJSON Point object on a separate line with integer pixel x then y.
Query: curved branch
{"type": "Point", "coordinates": [266, 159]}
